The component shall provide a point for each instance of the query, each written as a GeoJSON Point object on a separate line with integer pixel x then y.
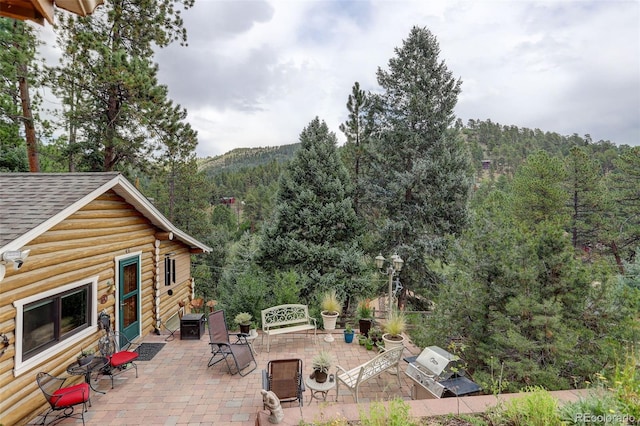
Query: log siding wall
{"type": "Point", "coordinates": [85, 245]}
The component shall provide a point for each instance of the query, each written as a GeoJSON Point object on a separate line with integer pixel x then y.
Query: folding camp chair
{"type": "Point", "coordinates": [172, 324]}
{"type": "Point", "coordinates": [284, 378]}
{"type": "Point", "coordinates": [222, 349]}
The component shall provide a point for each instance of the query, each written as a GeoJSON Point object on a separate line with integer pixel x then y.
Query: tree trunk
{"type": "Point", "coordinates": [616, 254]}
{"type": "Point", "coordinates": [27, 116]}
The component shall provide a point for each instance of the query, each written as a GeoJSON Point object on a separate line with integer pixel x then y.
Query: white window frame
{"type": "Point", "coordinates": [22, 366]}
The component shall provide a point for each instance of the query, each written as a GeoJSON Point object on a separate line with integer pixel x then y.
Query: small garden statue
{"type": "Point", "coordinates": [272, 402]}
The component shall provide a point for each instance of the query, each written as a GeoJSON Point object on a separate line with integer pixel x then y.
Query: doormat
{"type": "Point", "coordinates": [148, 350]}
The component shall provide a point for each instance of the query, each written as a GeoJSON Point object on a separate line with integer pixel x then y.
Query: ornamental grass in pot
{"type": "Point", "coordinates": [243, 319]}
{"type": "Point", "coordinates": [330, 309]}
{"type": "Point", "coordinates": [321, 363]}
{"type": "Point", "coordinates": [394, 326]}
{"type": "Point", "coordinates": [365, 316]}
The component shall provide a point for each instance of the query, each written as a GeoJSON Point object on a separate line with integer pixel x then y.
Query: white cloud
{"type": "Point", "coordinates": [256, 72]}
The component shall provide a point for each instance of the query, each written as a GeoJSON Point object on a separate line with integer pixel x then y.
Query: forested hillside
{"type": "Point", "coordinates": [502, 147]}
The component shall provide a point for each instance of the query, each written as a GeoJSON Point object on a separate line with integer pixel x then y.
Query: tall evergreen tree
{"type": "Point", "coordinates": [18, 44]}
{"type": "Point", "coordinates": [358, 130]}
{"type": "Point", "coordinates": [584, 188]}
{"type": "Point", "coordinates": [623, 226]}
{"type": "Point", "coordinates": [108, 81]}
{"type": "Point", "coordinates": [314, 229]}
{"type": "Point", "coordinates": [538, 195]}
{"type": "Point", "coordinates": [420, 177]}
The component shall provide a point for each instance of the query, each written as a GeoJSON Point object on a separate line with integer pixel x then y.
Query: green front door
{"type": "Point", "coordinates": [129, 286]}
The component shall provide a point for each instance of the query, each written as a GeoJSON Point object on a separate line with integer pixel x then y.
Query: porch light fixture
{"type": "Point", "coordinates": [394, 267]}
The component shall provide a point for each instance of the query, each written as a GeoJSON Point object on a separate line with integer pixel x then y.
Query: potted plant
{"type": "Point", "coordinates": [368, 344]}
{"type": "Point", "coordinates": [362, 339]}
{"type": "Point", "coordinates": [243, 319]}
{"type": "Point", "coordinates": [364, 314]}
{"type": "Point", "coordinates": [348, 333]}
{"type": "Point", "coordinates": [330, 311]}
{"type": "Point", "coordinates": [86, 356]}
{"type": "Point", "coordinates": [375, 334]}
{"type": "Point", "coordinates": [394, 326]}
{"type": "Point", "coordinates": [321, 363]}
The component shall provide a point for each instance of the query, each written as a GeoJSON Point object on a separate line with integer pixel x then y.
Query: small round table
{"type": "Point", "coordinates": [97, 363]}
{"type": "Point", "coordinates": [319, 388]}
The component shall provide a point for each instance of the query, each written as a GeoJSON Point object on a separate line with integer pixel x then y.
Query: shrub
{"type": "Point", "coordinates": [598, 405]}
{"type": "Point", "coordinates": [396, 415]}
{"type": "Point", "coordinates": [536, 408]}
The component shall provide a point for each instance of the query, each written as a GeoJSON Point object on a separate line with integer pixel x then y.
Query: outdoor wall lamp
{"type": "Point", "coordinates": [17, 257]}
{"type": "Point", "coordinates": [394, 267]}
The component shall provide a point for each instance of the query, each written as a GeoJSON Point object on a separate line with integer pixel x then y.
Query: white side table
{"type": "Point", "coordinates": [250, 338]}
{"type": "Point", "coordinates": [319, 391]}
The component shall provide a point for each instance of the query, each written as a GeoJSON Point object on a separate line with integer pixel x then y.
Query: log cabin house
{"type": "Point", "coordinates": [73, 245]}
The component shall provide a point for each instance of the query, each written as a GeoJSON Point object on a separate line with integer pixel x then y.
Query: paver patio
{"type": "Point", "coordinates": [177, 388]}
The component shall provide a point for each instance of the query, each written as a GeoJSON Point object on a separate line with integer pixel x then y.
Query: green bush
{"type": "Point", "coordinates": [536, 408]}
{"type": "Point", "coordinates": [396, 415]}
{"type": "Point", "coordinates": [626, 385]}
{"type": "Point", "coordinates": [598, 405]}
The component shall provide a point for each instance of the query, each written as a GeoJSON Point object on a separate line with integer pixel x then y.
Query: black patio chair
{"type": "Point", "coordinates": [120, 360]}
{"type": "Point", "coordinates": [63, 399]}
{"type": "Point", "coordinates": [222, 349]}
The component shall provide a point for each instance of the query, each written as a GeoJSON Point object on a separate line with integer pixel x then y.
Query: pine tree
{"type": "Point", "coordinates": [314, 229]}
{"type": "Point", "coordinates": [108, 80]}
{"type": "Point", "coordinates": [585, 198]}
{"type": "Point", "coordinates": [358, 130]}
{"type": "Point", "coordinates": [538, 195]}
{"type": "Point", "coordinates": [420, 177]}
{"type": "Point", "coordinates": [18, 44]}
{"type": "Point", "coordinates": [622, 233]}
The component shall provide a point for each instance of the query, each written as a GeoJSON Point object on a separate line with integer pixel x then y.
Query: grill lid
{"type": "Point", "coordinates": [441, 363]}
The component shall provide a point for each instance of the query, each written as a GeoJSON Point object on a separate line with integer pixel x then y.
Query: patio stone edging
{"type": "Point", "coordinates": [418, 408]}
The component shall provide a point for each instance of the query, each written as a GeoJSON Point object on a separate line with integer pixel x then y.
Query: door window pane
{"type": "Point", "coordinates": [130, 310]}
{"type": "Point", "coordinates": [130, 278]}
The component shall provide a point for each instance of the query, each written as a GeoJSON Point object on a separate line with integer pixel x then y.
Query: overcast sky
{"type": "Point", "coordinates": [256, 73]}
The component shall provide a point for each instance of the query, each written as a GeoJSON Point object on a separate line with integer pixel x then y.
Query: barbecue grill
{"type": "Point", "coordinates": [437, 373]}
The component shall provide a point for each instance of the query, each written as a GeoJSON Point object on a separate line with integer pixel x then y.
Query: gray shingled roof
{"type": "Point", "coordinates": [28, 200]}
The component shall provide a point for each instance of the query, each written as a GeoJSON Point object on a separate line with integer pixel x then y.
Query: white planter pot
{"type": "Point", "coordinates": [329, 321]}
{"type": "Point", "coordinates": [390, 344]}
{"type": "Point", "coordinates": [329, 324]}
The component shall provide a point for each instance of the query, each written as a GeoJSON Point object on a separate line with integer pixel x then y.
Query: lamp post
{"type": "Point", "coordinates": [395, 266]}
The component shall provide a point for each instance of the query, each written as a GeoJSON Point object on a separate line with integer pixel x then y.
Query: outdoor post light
{"type": "Point", "coordinates": [395, 266]}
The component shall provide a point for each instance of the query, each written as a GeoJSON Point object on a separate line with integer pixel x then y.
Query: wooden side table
{"type": "Point", "coordinates": [317, 389]}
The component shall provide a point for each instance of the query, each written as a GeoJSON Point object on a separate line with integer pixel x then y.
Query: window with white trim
{"type": "Point", "coordinates": [51, 321]}
{"type": "Point", "coordinates": [48, 321]}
